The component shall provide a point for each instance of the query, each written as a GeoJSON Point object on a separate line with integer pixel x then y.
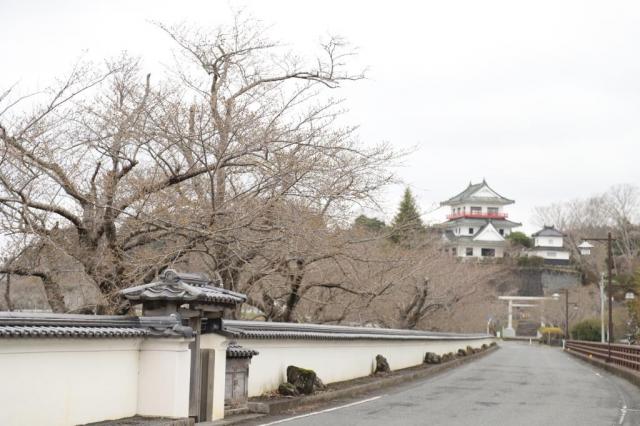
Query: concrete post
{"type": "Point", "coordinates": [219, 345]}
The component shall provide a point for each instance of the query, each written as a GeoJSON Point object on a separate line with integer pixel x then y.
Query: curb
{"type": "Point", "coordinates": [617, 370]}
{"type": "Point", "coordinates": [277, 407]}
{"type": "Point", "coordinates": [233, 420]}
{"type": "Point", "coordinates": [144, 421]}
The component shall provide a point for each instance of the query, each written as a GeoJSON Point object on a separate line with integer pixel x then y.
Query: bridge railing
{"type": "Point", "coordinates": [619, 354]}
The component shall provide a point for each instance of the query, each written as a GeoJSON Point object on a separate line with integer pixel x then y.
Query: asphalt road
{"type": "Point", "coordinates": [516, 385]}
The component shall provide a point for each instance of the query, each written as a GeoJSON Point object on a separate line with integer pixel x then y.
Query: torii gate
{"type": "Point", "coordinates": [509, 331]}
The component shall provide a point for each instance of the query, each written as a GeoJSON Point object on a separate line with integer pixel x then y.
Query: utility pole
{"type": "Point", "coordinates": [566, 314]}
{"type": "Point", "coordinates": [609, 279]}
{"type": "Point", "coordinates": [602, 330]}
{"type": "Point", "coordinates": [609, 240]}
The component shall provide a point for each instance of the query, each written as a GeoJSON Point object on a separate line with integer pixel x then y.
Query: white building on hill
{"type": "Point", "coordinates": [548, 243]}
{"type": "Point", "coordinates": [477, 224]}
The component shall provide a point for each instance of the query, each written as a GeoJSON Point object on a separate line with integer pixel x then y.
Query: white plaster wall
{"type": "Point", "coordinates": [163, 378]}
{"type": "Point", "coordinates": [477, 250]}
{"type": "Point", "coordinates": [563, 255]}
{"type": "Point", "coordinates": [337, 360]}
{"type": "Point", "coordinates": [548, 241]}
{"type": "Point", "coordinates": [65, 381]}
{"type": "Point", "coordinates": [484, 208]}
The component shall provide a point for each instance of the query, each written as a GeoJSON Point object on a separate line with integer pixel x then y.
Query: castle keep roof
{"type": "Point", "coordinates": [548, 231]}
{"type": "Point", "coordinates": [480, 193]}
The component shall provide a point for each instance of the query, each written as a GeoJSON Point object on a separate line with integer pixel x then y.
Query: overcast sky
{"type": "Point", "coordinates": [540, 98]}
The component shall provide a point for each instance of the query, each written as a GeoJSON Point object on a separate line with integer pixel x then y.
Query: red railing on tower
{"type": "Point", "coordinates": [474, 215]}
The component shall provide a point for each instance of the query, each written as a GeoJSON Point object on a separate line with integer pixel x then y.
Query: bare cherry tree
{"type": "Point", "coordinates": [128, 175]}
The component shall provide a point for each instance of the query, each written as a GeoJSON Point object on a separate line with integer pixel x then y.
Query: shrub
{"type": "Point", "coordinates": [550, 334]}
{"type": "Point", "coordinates": [530, 261]}
{"type": "Point", "coordinates": [588, 329]}
{"type": "Point", "coordinates": [553, 331]}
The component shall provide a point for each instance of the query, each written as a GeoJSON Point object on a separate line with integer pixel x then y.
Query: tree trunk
{"type": "Point", "coordinates": [295, 280]}
{"type": "Point", "coordinates": [7, 293]}
{"type": "Point", "coordinates": [54, 295]}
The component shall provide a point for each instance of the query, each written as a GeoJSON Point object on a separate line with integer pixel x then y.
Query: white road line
{"type": "Point", "coordinates": [623, 412]}
{"type": "Point", "coordinates": [323, 411]}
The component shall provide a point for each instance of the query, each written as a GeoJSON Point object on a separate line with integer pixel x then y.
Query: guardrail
{"type": "Point", "coordinates": [615, 353]}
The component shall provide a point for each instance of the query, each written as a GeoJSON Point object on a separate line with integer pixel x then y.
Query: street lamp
{"type": "Point", "coordinates": [566, 310]}
{"type": "Point", "coordinates": [585, 249]}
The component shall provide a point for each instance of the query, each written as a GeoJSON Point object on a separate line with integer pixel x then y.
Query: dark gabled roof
{"type": "Point", "coordinates": [450, 235]}
{"type": "Point", "coordinates": [460, 238]}
{"type": "Point", "coordinates": [21, 324]}
{"type": "Point", "coordinates": [181, 287]}
{"type": "Point", "coordinates": [282, 330]}
{"type": "Point", "coordinates": [234, 350]}
{"type": "Point", "coordinates": [548, 231]}
{"type": "Point", "coordinates": [464, 194]}
{"type": "Point", "coordinates": [467, 195]}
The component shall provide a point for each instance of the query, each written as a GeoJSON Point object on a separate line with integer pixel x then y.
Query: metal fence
{"type": "Point", "coordinates": [623, 355]}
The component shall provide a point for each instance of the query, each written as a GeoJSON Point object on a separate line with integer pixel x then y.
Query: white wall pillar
{"type": "Point", "coordinates": [163, 377]}
{"type": "Point", "coordinates": [219, 345]}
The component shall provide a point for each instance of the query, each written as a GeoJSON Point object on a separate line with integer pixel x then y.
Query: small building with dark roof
{"type": "Point", "coordinates": [548, 243]}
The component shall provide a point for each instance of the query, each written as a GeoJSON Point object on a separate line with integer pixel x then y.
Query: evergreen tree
{"type": "Point", "coordinates": [370, 223]}
{"type": "Point", "coordinates": [520, 238]}
{"type": "Point", "coordinates": [407, 221]}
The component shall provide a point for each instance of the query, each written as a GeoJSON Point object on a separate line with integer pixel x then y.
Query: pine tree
{"type": "Point", "coordinates": [372, 224]}
{"type": "Point", "coordinates": [407, 221]}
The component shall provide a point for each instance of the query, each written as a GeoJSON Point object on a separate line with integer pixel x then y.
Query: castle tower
{"type": "Point", "coordinates": [477, 223]}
